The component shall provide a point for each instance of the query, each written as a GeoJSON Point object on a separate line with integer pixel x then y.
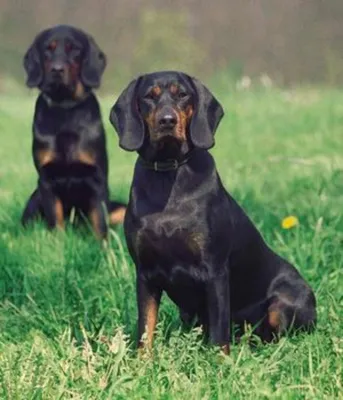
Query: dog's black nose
{"type": "Point", "coordinates": [57, 68]}
{"type": "Point", "coordinates": [167, 121]}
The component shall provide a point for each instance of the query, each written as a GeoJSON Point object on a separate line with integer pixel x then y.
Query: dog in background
{"type": "Point", "coordinates": [186, 234]}
{"type": "Point", "coordinates": [69, 145]}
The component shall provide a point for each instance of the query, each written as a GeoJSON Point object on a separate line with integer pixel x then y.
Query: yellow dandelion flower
{"type": "Point", "coordinates": [290, 222]}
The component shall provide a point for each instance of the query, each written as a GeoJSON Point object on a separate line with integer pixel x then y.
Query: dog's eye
{"type": "Point", "coordinates": [150, 95]}
{"type": "Point", "coordinates": [182, 95]}
{"type": "Point", "coordinates": [68, 47]}
{"type": "Point", "coordinates": [52, 45]}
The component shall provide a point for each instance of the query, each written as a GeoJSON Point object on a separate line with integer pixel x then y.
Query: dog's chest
{"type": "Point", "coordinates": [170, 249]}
{"type": "Point", "coordinates": [64, 143]}
{"type": "Point", "coordinates": [57, 126]}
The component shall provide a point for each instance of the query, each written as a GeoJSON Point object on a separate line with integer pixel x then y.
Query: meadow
{"type": "Point", "coordinates": [68, 307]}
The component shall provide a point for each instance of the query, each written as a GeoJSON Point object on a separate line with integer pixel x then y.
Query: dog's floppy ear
{"type": "Point", "coordinates": [126, 119]}
{"type": "Point", "coordinates": [33, 65]}
{"type": "Point", "coordinates": [206, 118]}
{"type": "Point", "coordinates": [93, 64]}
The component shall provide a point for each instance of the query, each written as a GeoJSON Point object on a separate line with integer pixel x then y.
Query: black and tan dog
{"type": "Point", "coordinates": [69, 147]}
{"type": "Point", "coordinates": [185, 233]}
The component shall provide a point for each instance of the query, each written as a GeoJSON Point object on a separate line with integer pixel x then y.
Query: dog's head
{"type": "Point", "coordinates": [166, 110]}
{"type": "Point", "coordinates": [64, 62]}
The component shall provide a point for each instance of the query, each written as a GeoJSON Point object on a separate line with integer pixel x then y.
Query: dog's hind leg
{"type": "Point", "coordinates": [33, 208]}
{"type": "Point", "coordinates": [291, 304]}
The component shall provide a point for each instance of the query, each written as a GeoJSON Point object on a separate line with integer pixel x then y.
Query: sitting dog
{"type": "Point", "coordinates": [187, 236]}
{"type": "Point", "coordinates": [69, 146]}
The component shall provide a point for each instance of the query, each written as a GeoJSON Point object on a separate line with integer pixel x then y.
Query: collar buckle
{"type": "Point", "coordinates": [169, 165]}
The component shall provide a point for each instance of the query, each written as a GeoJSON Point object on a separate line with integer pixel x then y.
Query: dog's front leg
{"type": "Point", "coordinates": [52, 207]}
{"type": "Point", "coordinates": [148, 300]}
{"type": "Point", "coordinates": [32, 209]}
{"type": "Point", "coordinates": [97, 217]}
{"type": "Point", "coordinates": [218, 312]}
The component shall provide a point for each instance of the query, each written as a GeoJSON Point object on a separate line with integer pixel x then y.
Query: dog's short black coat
{"type": "Point", "coordinates": [185, 233]}
{"type": "Point", "coordinates": [69, 147]}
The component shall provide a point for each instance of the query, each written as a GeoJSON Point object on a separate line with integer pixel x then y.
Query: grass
{"type": "Point", "coordinates": [67, 307]}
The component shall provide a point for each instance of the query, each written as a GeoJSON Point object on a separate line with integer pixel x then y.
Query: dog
{"type": "Point", "coordinates": [69, 145]}
{"type": "Point", "coordinates": [186, 235]}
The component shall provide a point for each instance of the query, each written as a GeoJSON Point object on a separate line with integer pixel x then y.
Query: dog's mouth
{"type": "Point", "coordinates": [58, 90]}
{"type": "Point", "coordinates": [167, 146]}
{"type": "Point", "coordinates": [163, 134]}
{"type": "Point", "coordinates": [167, 139]}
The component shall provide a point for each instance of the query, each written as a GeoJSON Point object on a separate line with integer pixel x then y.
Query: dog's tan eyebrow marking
{"type": "Point", "coordinates": [52, 44]}
{"type": "Point", "coordinates": [156, 90]}
{"type": "Point", "coordinates": [174, 88]}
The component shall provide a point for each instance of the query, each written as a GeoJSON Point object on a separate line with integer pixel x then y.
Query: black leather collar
{"type": "Point", "coordinates": [65, 103]}
{"type": "Point", "coordinates": [164, 166]}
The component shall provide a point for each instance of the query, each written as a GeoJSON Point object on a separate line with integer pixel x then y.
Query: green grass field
{"type": "Point", "coordinates": [68, 310]}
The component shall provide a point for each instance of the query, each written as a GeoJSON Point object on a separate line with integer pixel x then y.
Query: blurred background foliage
{"type": "Point", "coordinates": [291, 42]}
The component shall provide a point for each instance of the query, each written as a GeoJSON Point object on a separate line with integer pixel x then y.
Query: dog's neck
{"type": "Point", "coordinates": [159, 191]}
{"type": "Point", "coordinates": [170, 164]}
{"type": "Point", "coordinates": [67, 103]}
